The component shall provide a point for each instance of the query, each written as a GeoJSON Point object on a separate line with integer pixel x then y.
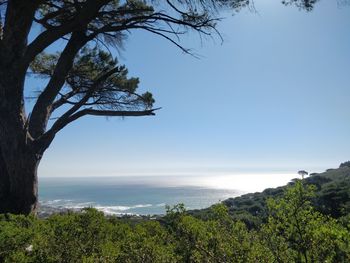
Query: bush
{"type": "Point", "coordinates": [294, 232]}
{"type": "Point", "coordinates": [345, 164]}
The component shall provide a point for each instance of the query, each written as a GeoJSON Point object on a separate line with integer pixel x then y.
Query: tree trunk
{"type": "Point", "coordinates": [18, 163]}
{"type": "Point", "coordinates": [18, 183]}
{"type": "Point", "coordinates": [18, 159]}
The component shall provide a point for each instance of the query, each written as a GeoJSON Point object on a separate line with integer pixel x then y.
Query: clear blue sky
{"type": "Point", "coordinates": [275, 96]}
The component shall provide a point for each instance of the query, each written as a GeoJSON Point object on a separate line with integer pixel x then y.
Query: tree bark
{"type": "Point", "coordinates": [4, 185]}
{"type": "Point", "coordinates": [18, 158]}
{"type": "Point", "coordinates": [18, 183]}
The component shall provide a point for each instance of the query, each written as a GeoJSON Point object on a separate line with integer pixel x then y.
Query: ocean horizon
{"type": "Point", "coordinates": [149, 195]}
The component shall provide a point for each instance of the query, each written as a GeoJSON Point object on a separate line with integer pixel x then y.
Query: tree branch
{"type": "Point", "coordinates": [17, 24]}
{"type": "Point", "coordinates": [44, 141]}
{"type": "Point", "coordinates": [82, 18]}
{"type": "Point", "coordinates": [63, 99]}
{"type": "Point", "coordinates": [86, 97]}
{"type": "Point", "coordinates": [42, 108]}
{"type": "Point", "coordinates": [111, 113]}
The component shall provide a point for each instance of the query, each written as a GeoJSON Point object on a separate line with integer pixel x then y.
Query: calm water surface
{"type": "Point", "coordinates": [120, 195]}
{"type": "Point", "coordinates": [150, 194]}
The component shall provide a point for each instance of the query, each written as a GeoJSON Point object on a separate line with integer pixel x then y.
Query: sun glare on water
{"type": "Point", "coordinates": [247, 182]}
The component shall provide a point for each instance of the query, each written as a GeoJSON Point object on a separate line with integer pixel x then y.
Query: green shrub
{"type": "Point", "coordinates": [294, 232]}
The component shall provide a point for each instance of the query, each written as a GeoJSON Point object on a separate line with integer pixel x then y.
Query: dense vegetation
{"type": "Point", "coordinates": [332, 198]}
{"type": "Point", "coordinates": [297, 226]}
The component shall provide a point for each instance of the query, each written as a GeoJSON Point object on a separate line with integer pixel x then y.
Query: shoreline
{"type": "Point", "coordinates": [45, 211]}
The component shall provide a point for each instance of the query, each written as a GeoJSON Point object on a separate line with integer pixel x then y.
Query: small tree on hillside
{"type": "Point", "coordinates": [303, 173]}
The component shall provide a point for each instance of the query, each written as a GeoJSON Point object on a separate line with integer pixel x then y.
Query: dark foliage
{"type": "Point", "coordinates": [345, 164]}
{"type": "Point", "coordinates": [332, 197]}
{"type": "Point", "coordinates": [294, 232]}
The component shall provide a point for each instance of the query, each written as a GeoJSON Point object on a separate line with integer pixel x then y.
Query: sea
{"type": "Point", "coordinates": [148, 195]}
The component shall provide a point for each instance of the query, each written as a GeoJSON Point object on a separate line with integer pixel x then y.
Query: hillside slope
{"type": "Point", "coordinates": [332, 197]}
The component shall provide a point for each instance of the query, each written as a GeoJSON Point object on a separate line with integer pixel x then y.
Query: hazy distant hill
{"type": "Point", "coordinates": [332, 197]}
